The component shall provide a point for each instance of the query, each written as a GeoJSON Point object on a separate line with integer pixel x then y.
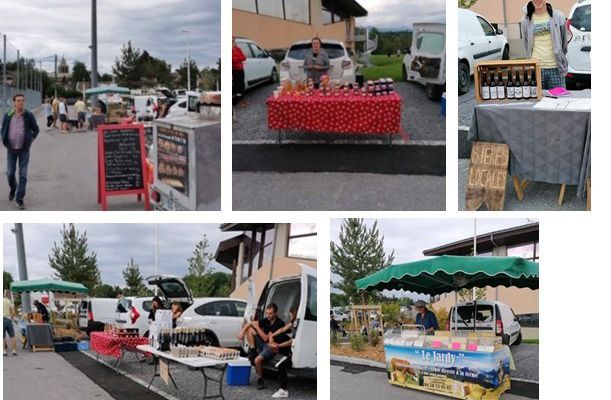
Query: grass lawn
{"type": "Point", "coordinates": [530, 341]}
{"type": "Point", "coordinates": [385, 67]}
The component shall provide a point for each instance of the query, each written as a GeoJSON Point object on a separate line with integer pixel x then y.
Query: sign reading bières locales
{"type": "Point", "coordinates": [487, 178]}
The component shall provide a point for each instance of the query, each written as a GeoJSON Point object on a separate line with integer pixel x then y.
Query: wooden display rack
{"type": "Point", "coordinates": [502, 65]}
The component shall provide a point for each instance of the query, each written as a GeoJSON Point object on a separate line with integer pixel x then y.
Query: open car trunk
{"type": "Point", "coordinates": [427, 54]}
{"type": "Point", "coordinates": [173, 289]}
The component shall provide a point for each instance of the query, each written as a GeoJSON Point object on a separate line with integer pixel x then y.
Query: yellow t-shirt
{"type": "Point", "coordinates": [543, 48]}
{"type": "Point", "coordinates": [80, 106]}
{"type": "Point", "coordinates": [7, 308]}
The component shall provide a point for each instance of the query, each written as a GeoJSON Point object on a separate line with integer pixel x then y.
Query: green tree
{"type": "Point", "coordinates": [216, 284]}
{"type": "Point", "coordinates": [7, 280]}
{"type": "Point", "coordinates": [133, 279]}
{"type": "Point", "coordinates": [339, 300]}
{"type": "Point", "coordinates": [106, 290]}
{"type": "Point", "coordinates": [128, 68]}
{"type": "Point", "coordinates": [72, 260]}
{"type": "Point", "coordinates": [360, 252]}
{"type": "Point", "coordinates": [106, 78]}
{"type": "Point", "coordinates": [79, 73]}
{"type": "Point", "coordinates": [466, 3]}
{"type": "Point", "coordinates": [182, 73]}
{"type": "Point", "coordinates": [391, 312]}
{"type": "Point", "coordinates": [467, 294]}
{"type": "Point", "coordinates": [200, 259]}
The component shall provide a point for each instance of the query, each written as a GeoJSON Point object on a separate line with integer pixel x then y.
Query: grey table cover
{"type": "Point", "coordinates": [550, 146]}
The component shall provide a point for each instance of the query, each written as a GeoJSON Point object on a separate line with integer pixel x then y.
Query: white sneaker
{"type": "Point", "coordinates": [281, 394]}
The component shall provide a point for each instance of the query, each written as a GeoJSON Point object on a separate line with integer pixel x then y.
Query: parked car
{"type": "Point", "coordinates": [425, 61]}
{"type": "Point", "coordinates": [342, 68]}
{"type": "Point", "coordinates": [144, 107]}
{"type": "Point", "coordinates": [579, 31]}
{"type": "Point", "coordinates": [180, 92]}
{"type": "Point", "coordinates": [478, 41]}
{"type": "Point", "coordinates": [259, 66]}
{"type": "Point", "coordinates": [485, 315]}
{"type": "Point", "coordinates": [299, 292]}
{"type": "Point", "coordinates": [132, 313]}
{"type": "Point", "coordinates": [340, 316]}
{"type": "Point", "coordinates": [183, 105]}
{"type": "Point", "coordinates": [95, 312]}
{"type": "Point", "coordinates": [222, 318]}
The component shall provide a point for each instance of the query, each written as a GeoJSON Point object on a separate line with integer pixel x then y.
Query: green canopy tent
{"type": "Point", "coordinates": [48, 285]}
{"type": "Point", "coordinates": [443, 274]}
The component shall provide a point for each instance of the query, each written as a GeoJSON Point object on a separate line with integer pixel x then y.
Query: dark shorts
{"type": "Point", "coordinates": [8, 328]}
{"type": "Point", "coordinates": [62, 118]}
{"type": "Point", "coordinates": [82, 116]}
{"type": "Point", "coordinates": [264, 350]}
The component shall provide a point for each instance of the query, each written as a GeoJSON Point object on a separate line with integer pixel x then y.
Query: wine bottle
{"type": "Point", "coordinates": [526, 87]}
{"type": "Point", "coordinates": [492, 85]}
{"type": "Point", "coordinates": [510, 89]}
{"type": "Point", "coordinates": [533, 86]}
{"type": "Point", "coordinates": [518, 87]}
{"type": "Point", "coordinates": [485, 89]}
{"type": "Point", "coordinates": [500, 87]}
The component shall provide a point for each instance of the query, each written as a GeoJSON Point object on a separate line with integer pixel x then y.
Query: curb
{"type": "Point", "coordinates": [414, 158]}
{"type": "Point", "coordinates": [358, 361]}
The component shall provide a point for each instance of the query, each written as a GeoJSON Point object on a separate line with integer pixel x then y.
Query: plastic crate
{"type": "Point", "coordinates": [65, 346]}
{"type": "Point", "coordinates": [238, 374]}
{"type": "Point", "coordinates": [83, 345]}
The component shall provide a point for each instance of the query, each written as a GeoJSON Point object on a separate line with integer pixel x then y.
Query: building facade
{"type": "Point", "coordinates": [262, 252]}
{"type": "Point", "coordinates": [275, 24]}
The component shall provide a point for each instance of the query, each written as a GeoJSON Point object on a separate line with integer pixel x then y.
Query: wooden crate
{"type": "Point", "coordinates": [39, 348]}
{"type": "Point", "coordinates": [503, 65]}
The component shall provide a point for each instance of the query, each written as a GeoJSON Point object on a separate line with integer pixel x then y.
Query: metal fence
{"type": "Point", "coordinates": [18, 74]}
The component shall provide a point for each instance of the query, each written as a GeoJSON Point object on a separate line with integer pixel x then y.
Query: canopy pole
{"type": "Point", "coordinates": [474, 247]}
{"type": "Point", "coordinates": [455, 308]}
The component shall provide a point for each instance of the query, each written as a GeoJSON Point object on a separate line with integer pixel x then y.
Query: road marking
{"type": "Point", "coordinates": [133, 378]}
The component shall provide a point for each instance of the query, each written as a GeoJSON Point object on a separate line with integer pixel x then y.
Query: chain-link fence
{"type": "Point", "coordinates": [18, 74]}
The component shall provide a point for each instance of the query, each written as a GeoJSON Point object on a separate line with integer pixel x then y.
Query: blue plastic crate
{"type": "Point", "coordinates": [443, 104]}
{"type": "Point", "coordinates": [83, 345]}
{"type": "Point", "coordinates": [238, 374]}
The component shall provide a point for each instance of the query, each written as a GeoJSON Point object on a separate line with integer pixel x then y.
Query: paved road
{"type": "Point", "coordinates": [538, 196]}
{"type": "Point", "coordinates": [466, 104]}
{"type": "Point", "coordinates": [46, 376]}
{"type": "Point", "coordinates": [62, 174]}
{"type": "Point", "coordinates": [356, 383]}
{"type": "Point", "coordinates": [420, 116]}
{"type": "Point", "coordinates": [336, 191]}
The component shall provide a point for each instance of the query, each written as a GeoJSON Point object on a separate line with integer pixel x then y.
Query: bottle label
{"type": "Point", "coordinates": [500, 91]}
{"type": "Point", "coordinates": [493, 93]}
{"type": "Point", "coordinates": [485, 93]}
{"type": "Point", "coordinates": [526, 92]}
{"type": "Point", "coordinates": [510, 92]}
{"type": "Point", "coordinates": [533, 91]}
{"type": "Point", "coordinates": [518, 92]}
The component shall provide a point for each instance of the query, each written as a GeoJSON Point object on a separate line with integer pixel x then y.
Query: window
{"type": "Point", "coordinates": [218, 309]}
{"type": "Point", "coordinates": [302, 241]}
{"type": "Point", "coordinates": [256, 249]}
{"type": "Point", "coordinates": [123, 305]}
{"type": "Point", "coordinates": [311, 313]}
{"type": "Point", "coordinates": [268, 248]}
{"type": "Point", "coordinates": [147, 305]}
{"type": "Point", "coordinates": [256, 51]}
{"type": "Point", "coordinates": [182, 104]}
{"type": "Point", "coordinates": [582, 18]}
{"type": "Point", "coordinates": [246, 5]}
{"type": "Point", "coordinates": [488, 30]}
{"type": "Point", "coordinates": [285, 295]}
{"type": "Point", "coordinates": [333, 50]}
{"type": "Point", "coordinates": [273, 8]}
{"type": "Point", "coordinates": [527, 251]}
{"type": "Point", "coordinates": [297, 10]}
{"type": "Point", "coordinates": [245, 49]}
{"type": "Point", "coordinates": [330, 18]}
{"type": "Point", "coordinates": [240, 308]}
{"type": "Point", "coordinates": [430, 42]}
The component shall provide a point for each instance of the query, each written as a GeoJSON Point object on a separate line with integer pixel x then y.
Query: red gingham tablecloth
{"type": "Point", "coordinates": [109, 345]}
{"type": "Point", "coordinates": [335, 114]}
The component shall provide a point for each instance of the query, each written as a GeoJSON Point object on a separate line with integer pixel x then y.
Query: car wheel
{"type": "Point", "coordinates": [404, 73]}
{"type": "Point", "coordinates": [519, 339]}
{"type": "Point", "coordinates": [464, 78]}
{"type": "Point", "coordinates": [210, 340]}
{"type": "Point", "coordinates": [506, 53]}
{"type": "Point", "coordinates": [274, 76]}
{"type": "Point", "coordinates": [434, 92]}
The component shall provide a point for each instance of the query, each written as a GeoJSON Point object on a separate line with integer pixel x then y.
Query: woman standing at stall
{"type": "Point", "coordinates": [545, 38]}
{"type": "Point", "coordinates": [316, 62]}
{"type": "Point", "coordinates": [237, 72]}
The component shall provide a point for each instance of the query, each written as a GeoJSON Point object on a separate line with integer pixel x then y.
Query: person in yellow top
{"type": "Point", "coordinates": [545, 38]}
{"type": "Point", "coordinates": [55, 111]}
{"type": "Point", "coordinates": [8, 313]}
{"type": "Point", "coordinates": [81, 111]}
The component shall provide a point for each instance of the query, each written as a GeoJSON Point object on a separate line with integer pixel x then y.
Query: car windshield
{"type": "Point", "coordinates": [430, 42]}
{"type": "Point", "coordinates": [299, 51]}
{"type": "Point", "coordinates": [582, 18]}
{"type": "Point", "coordinates": [466, 313]}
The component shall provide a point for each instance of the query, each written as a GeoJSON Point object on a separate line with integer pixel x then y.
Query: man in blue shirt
{"type": "Point", "coordinates": [426, 318]}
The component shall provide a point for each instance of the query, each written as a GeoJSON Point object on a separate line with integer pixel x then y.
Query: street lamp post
{"type": "Point", "coordinates": [188, 59]}
{"type": "Point", "coordinates": [94, 48]}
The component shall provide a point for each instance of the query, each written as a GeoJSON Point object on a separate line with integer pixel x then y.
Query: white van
{"type": "Point", "coordinates": [132, 313]}
{"type": "Point", "coordinates": [485, 315]}
{"type": "Point", "coordinates": [579, 30]}
{"type": "Point", "coordinates": [144, 107]}
{"type": "Point", "coordinates": [300, 292]}
{"type": "Point", "coordinates": [478, 41]}
{"type": "Point", "coordinates": [425, 61]}
{"type": "Point", "coordinates": [95, 312]}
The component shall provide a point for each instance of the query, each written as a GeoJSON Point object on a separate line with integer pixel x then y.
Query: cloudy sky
{"type": "Point", "coordinates": [114, 244]}
{"type": "Point", "coordinates": [42, 28]}
{"type": "Point", "coordinates": [410, 237]}
{"type": "Point", "coordinates": [401, 14]}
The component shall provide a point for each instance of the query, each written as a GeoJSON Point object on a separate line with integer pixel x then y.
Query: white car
{"type": "Point", "coordinates": [132, 313]}
{"type": "Point", "coordinates": [342, 68]}
{"type": "Point", "coordinates": [579, 27]}
{"type": "Point", "coordinates": [340, 316]}
{"type": "Point", "coordinates": [184, 104]}
{"type": "Point", "coordinates": [425, 61]}
{"type": "Point", "coordinates": [297, 292]}
{"type": "Point", "coordinates": [485, 315]}
{"type": "Point", "coordinates": [478, 41]}
{"type": "Point", "coordinates": [222, 318]}
{"type": "Point", "coordinates": [94, 312]}
{"type": "Point", "coordinates": [259, 67]}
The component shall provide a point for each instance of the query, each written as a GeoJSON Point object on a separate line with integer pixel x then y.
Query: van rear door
{"type": "Point", "coordinates": [304, 339]}
{"type": "Point", "coordinates": [428, 54]}
{"type": "Point", "coordinates": [173, 288]}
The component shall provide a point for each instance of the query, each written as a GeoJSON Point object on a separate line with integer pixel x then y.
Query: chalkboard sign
{"type": "Point", "coordinates": [487, 178]}
{"type": "Point", "coordinates": [121, 162]}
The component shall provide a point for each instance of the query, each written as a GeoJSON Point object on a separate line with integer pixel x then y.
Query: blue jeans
{"type": "Point", "coordinates": [12, 157]}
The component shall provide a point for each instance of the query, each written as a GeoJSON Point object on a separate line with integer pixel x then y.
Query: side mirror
{"type": "Point", "coordinates": [499, 31]}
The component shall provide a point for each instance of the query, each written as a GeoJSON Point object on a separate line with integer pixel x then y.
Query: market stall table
{"type": "Point", "coordinates": [547, 145]}
{"type": "Point", "coordinates": [337, 114]}
{"type": "Point", "coordinates": [194, 363]}
{"type": "Point", "coordinates": [114, 346]}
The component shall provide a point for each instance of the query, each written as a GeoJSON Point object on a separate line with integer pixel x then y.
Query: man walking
{"type": "Point", "coordinates": [19, 129]}
{"type": "Point", "coordinates": [81, 111]}
{"type": "Point", "coordinates": [55, 111]}
{"type": "Point", "coordinates": [63, 116]}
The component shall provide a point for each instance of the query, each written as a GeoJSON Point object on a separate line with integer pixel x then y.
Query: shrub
{"type": "Point", "coordinates": [357, 343]}
{"type": "Point", "coordinates": [334, 339]}
{"type": "Point", "coordinates": [374, 338]}
{"type": "Point", "coordinates": [442, 317]}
